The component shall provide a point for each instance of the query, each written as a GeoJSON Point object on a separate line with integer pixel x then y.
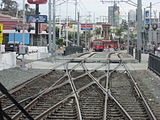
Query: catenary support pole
{"type": "Point", "coordinates": [78, 33]}
{"type": "Point", "coordinates": [54, 26]}
{"type": "Point", "coordinates": [36, 26]}
{"type": "Point", "coordinates": [67, 23]}
{"type": "Point", "coordinates": [139, 29]}
{"type": "Point", "coordinates": [23, 38]}
{"type": "Point", "coordinates": [150, 28]}
{"type": "Point", "coordinates": [50, 37]}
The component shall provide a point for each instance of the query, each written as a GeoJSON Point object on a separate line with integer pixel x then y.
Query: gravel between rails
{"type": "Point", "coordinates": [150, 84]}
{"type": "Point", "coordinates": [10, 78]}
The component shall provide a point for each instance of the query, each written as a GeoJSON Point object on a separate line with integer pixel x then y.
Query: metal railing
{"type": "Point", "coordinates": [154, 63]}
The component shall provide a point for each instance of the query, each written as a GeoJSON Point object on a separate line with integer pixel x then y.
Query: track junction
{"type": "Point", "coordinates": [94, 86]}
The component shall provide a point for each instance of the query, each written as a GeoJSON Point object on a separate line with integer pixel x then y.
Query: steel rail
{"type": "Point", "coordinates": [71, 95]}
{"type": "Point", "coordinates": [75, 93]}
{"type": "Point", "coordinates": [32, 79]}
{"type": "Point", "coordinates": [107, 87]}
{"type": "Point", "coordinates": [80, 89]}
{"type": "Point", "coordinates": [23, 85]}
{"type": "Point", "coordinates": [44, 92]}
{"type": "Point", "coordinates": [45, 113]}
{"type": "Point", "coordinates": [48, 90]}
{"type": "Point", "coordinates": [138, 91]}
{"type": "Point", "coordinates": [120, 106]}
{"type": "Point", "coordinates": [41, 92]}
{"type": "Point", "coordinates": [106, 92]}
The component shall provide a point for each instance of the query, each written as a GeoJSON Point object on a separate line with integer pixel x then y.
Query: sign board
{"type": "Point", "coordinates": [86, 27]}
{"type": "Point", "coordinates": [36, 18]}
{"type": "Point", "coordinates": [17, 38]}
{"type": "Point", "coordinates": [37, 1]}
{"type": "Point", "coordinates": [1, 33]}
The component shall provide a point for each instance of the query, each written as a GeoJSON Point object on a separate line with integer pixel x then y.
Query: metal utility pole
{"type": "Point", "coordinates": [23, 39]}
{"type": "Point", "coordinates": [67, 24]}
{"type": "Point", "coordinates": [128, 35]}
{"type": "Point", "coordinates": [36, 26]}
{"type": "Point", "coordinates": [78, 33]}
{"type": "Point", "coordinates": [75, 10]}
{"type": "Point", "coordinates": [150, 27]}
{"type": "Point", "coordinates": [54, 27]}
{"type": "Point", "coordinates": [74, 41]}
{"type": "Point", "coordinates": [86, 34]}
{"type": "Point", "coordinates": [139, 29]}
{"type": "Point", "coordinates": [50, 37]}
{"type": "Point", "coordinates": [60, 22]}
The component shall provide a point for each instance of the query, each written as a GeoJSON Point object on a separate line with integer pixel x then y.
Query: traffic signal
{"type": "Point", "coordinates": [147, 26]}
{"type": "Point", "coordinates": [154, 26]}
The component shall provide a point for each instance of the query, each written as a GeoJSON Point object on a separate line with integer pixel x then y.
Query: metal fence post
{"type": "Point", "coordinates": [1, 112]}
{"type": "Point", "coordinates": [4, 91]}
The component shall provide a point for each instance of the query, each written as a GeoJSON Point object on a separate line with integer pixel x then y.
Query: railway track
{"type": "Point", "coordinates": [31, 89]}
{"type": "Point", "coordinates": [90, 95]}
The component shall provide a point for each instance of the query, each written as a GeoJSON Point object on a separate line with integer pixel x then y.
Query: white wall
{"type": "Point", "coordinates": [2, 48]}
{"type": "Point", "coordinates": [7, 60]}
{"type": "Point", "coordinates": [36, 52]}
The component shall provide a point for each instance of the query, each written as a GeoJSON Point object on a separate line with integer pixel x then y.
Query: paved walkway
{"type": "Point", "coordinates": [50, 63]}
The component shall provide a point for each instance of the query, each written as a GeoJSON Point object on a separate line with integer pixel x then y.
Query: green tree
{"type": "Point", "coordinates": [119, 32]}
{"type": "Point", "coordinates": [124, 25]}
{"type": "Point", "coordinates": [9, 7]}
{"type": "Point", "coordinates": [59, 41]}
{"type": "Point", "coordinates": [97, 31]}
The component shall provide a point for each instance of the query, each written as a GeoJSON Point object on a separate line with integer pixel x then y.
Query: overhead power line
{"type": "Point", "coordinates": [113, 1]}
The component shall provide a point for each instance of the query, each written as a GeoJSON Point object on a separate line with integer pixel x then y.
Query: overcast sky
{"type": "Point", "coordinates": [92, 7]}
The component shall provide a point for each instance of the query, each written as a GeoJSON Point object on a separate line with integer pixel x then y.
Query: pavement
{"type": "Point", "coordinates": [50, 63]}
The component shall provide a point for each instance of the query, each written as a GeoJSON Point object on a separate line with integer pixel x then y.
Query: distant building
{"type": "Point", "coordinates": [114, 15]}
{"type": "Point", "coordinates": [132, 15]}
{"type": "Point", "coordinates": [132, 18]}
